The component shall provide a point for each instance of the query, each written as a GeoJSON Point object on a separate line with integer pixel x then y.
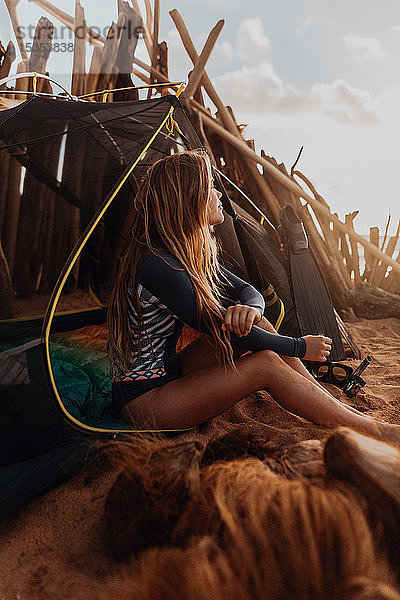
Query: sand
{"type": "Point", "coordinates": [55, 547]}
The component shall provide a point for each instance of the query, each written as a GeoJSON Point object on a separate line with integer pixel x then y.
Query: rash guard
{"type": "Point", "coordinates": [168, 301]}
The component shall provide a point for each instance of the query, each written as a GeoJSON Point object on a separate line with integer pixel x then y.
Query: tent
{"type": "Point", "coordinates": [81, 163]}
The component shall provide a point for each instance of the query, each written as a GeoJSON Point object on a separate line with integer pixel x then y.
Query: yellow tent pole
{"type": "Point", "coordinates": [51, 308]}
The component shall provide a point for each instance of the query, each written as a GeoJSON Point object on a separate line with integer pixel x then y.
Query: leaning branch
{"type": "Point", "coordinates": [199, 69]}
{"type": "Point", "coordinates": [93, 37]}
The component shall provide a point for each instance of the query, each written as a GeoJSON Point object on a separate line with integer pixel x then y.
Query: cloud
{"type": "Point", "coordinates": [260, 90]}
{"type": "Point", "coordinates": [364, 49]}
{"type": "Point", "coordinates": [343, 103]}
{"type": "Point", "coordinates": [252, 41]}
{"type": "Point", "coordinates": [311, 21]}
{"type": "Point", "coordinates": [223, 53]}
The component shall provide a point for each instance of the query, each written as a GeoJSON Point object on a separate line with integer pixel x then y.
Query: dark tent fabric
{"type": "Point", "coordinates": [78, 150]}
{"type": "Point", "coordinates": [70, 231]}
{"type": "Point", "coordinates": [109, 135]}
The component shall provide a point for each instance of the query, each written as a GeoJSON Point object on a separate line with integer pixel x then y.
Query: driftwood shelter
{"type": "Point", "coordinates": [345, 258]}
{"type": "Point", "coordinates": [47, 191]}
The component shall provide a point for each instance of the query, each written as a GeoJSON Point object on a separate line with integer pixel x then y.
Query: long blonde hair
{"type": "Point", "coordinates": [170, 214]}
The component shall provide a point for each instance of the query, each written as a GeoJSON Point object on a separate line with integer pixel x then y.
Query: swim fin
{"type": "Point", "coordinates": [314, 309]}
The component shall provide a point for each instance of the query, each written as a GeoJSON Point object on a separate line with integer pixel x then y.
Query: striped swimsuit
{"type": "Point", "coordinates": [161, 330]}
{"type": "Point", "coordinates": [168, 301]}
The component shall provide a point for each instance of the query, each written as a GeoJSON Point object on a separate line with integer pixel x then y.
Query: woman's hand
{"type": "Point", "coordinates": [318, 347]}
{"type": "Point", "coordinates": [239, 319]}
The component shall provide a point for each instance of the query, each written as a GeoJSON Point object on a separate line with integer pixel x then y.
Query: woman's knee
{"type": "Point", "coordinates": [269, 359]}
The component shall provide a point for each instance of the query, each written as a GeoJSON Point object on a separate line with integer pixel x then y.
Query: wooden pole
{"type": "Point", "coordinates": [206, 83]}
{"type": "Point", "coordinates": [161, 77]}
{"type": "Point", "coordinates": [355, 259]}
{"type": "Point", "coordinates": [79, 63]}
{"type": "Point", "coordinates": [392, 283]}
{"type": "Point", "coordinates": [13, 209]}
{"type": "Point", "coordinates": [110, 53]}
{"type": "Point", "coordinates": [386, 231]}
{"type": "Point", "coordinates": [345, 252]}
{"type": "Point", "coordinates": [146, 31]}
{"type": "Point", "coordinates": [7, 57]}
{"type": "Point", "coordinates": [154, 55]}
{"type": "Point", "coordinates": [371, 260]}
{"type": "Point", "coordinates": [46, 250]}
{"type": "Point", "coordinates": [27, 258]}
{"type": "Point", "coordinates": [163, 63]}
{"type": "Point", "coordinates": [149, 14]}
{"type": "Point", "coordinates": [199, 69]}
{"type": "Point", "coordinates": [378, 267]}
{"type": "Point", "coordinates": [40, 54]}
{"type": "Point", "coordinates": [93, 75]}
{"type": "Point", "coordinates": [12, 11]}
{"type": "Point", "coordinates": [4, 171]}
{"type": "Point", "coordinates": [381, 279]}
{"type": "Point", "coordinates": [330, 240]}
{"type": "Point", "coordinates": [126, 52]}
{"type": "Point", "coordinates": [142, 77]}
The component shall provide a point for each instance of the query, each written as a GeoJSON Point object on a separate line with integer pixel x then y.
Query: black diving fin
{"type": "Point", "coordinates": [314, 309]}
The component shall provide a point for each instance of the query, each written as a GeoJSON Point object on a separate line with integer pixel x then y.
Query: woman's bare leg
{"type": "Point", "coordinates": [296, 363]}
{"type": "Point", "coordinates": [293, 362]}
{"type": "Point", "coordinates": [199, 354]}
{"type": "Point", "coordinates": [203, 394]}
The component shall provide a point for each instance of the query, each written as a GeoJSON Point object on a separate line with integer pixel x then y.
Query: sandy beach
{"type": "Point", "coordinates": [56, 548]}
{"type": "Point", "coordinates": [256, 504]}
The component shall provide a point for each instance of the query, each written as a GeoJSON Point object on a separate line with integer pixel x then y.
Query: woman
{"type": "Point", "coordinates": [169, 275]}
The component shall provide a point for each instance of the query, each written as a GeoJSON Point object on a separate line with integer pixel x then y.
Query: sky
{"type": "Point", "coordinates": [312, 73]}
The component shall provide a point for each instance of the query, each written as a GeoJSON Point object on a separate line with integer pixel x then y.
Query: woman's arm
{"type": "Point", "coordinates": [241, 291]}
{"type": "Point", "coordinates": [169, 282]}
